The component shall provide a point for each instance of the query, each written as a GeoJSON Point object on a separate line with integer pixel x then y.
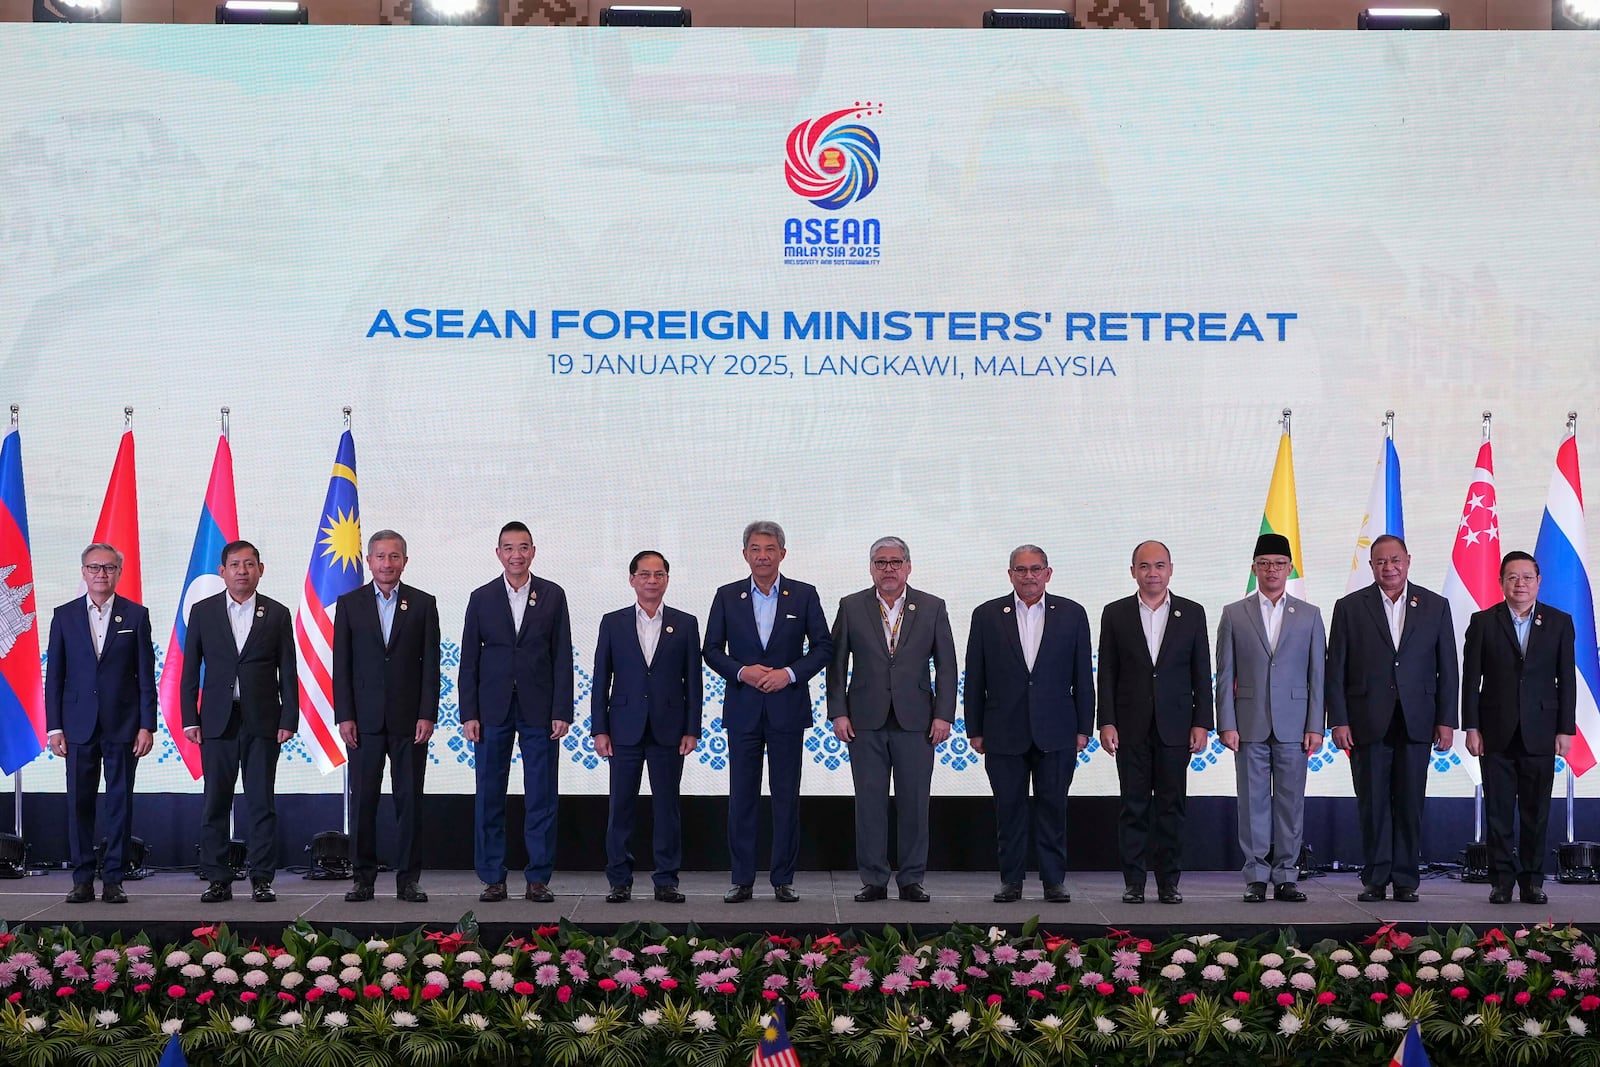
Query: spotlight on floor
{"type": "Point", "coordinates": [455, 13]}
{"type": "Point", "coordinates": [1027, 18]}
{"type": "Point", "coordinates": [1211, 14]}
{"type": "Point", "coordinates": [1475, 863]}
{"type": "Point", "coordinates": [1578, 863]}
{"type": "Point", "coordinates": [1402, 18]}
{"type": "Point", "coordinates": [644, 15]}
{"type": "Point", "coordinates": [77, 10]}
{"type": "Point", "coordinates": [238, 859]}
{"type": "Point", "coordinates": [133, 868]}
{"type": "Point", "coordinates": [330, 856]}
{"type": "Point", "coordinates": [13, 856]}
{"type": "Point", "coordinates": [262, 12]}
{"type": "Point", "coordinates": [1564, 15]}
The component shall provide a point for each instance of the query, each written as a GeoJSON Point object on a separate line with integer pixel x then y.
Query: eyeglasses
{"type": "Point", "coordinates": [1273, 565]}
{"type": "Point", "coordinates": [1032, 571]}
{"type": "Point", "coordinates": [888, 564]}
{"type": "Point", "coordinates": [102, 568]}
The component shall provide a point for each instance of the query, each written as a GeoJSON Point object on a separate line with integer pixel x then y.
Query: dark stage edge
{"type": "Point", "coordinates": [167, 907]}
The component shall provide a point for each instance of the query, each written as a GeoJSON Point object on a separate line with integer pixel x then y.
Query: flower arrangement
{"type": "Point", "coordinates": [968, 996]}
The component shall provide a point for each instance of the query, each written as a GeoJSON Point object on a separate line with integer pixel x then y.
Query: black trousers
{"type": "Point", "coordinates": [408, 763]}
{"type": "Point", "coordinates": [1153, 781]}
{"type": "Point", "coordinates": [221, 760]}
{"type": "Point", "coordinates": [1046, 810]}
{"type": "Point", "coordinates": [1516, 786]}
{"type": "Point", "coordinates": [1391, 780]}
{"type": "Point", "coordinates": [83, 784]}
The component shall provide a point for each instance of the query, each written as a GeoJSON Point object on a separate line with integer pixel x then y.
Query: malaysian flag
{"type": "Point", "coordinates": [775, 1048]}
{"type": "Point", "coordinates": [335, 569]}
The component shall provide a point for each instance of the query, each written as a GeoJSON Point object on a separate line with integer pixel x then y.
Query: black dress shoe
{"type": "Point", "coordinates": [1288, 891]}
{"type": "Point", "coordinates": [1134, 894]}
{"type": "Point", "coordinates": [620, 894]}
{"type": "Point", "coordinates": [1255, 892]}
{"type": "Point", "coordinates": [216, 893]}
{"type": "Point", "coordinates": [1169, 895]}
{"type": "Point", "coordinates": [360, 894]}
{"type": "Point", "coordinates": [1532, 894]}
{"type": "Point", "coordinates": [261, 892]}
{"type": "Point", "coordinates": [1500, 894]}
{"type": "Point", "coordinates": [539, 893]}
{"type": "Point", "coordinates": [1405, 896]}
{"type": "Point", "coordinates": [82, 893]}
{"type": "Point", "coordinates": [113, 894]}
{"type": "Point", "coordinates": [738, 894]}
{"type": "Point", "coordinates": [1010, 893]}
{"type": "Point", "coordinates": [493, 893]}
{"type": "Point", "coordinates": [411, 893]}
{"type": "Point", "coordinates": [1372, 893]}
{"type": "Point", "coordinates": [1057, 894]}
{"type": "Point", "coordinates": [670, 894]}
{"type": "Point", "coordinates": [869, 893]}
{"type": "Point", "coordinates": [914, 893]}
{"type": "Point", "coordinates": [785, 894]}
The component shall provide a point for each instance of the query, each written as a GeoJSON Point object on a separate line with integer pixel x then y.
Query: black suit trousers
{"type": "Point", "coordinates": [1516, 787]}
{"type": "Point", "coordinates": [83, 784]}
{"type": "Point", "coordinates": [1046, 810]}
{"type": "Point", "coordinates": [408, 764]}
{"type": "Point", "coordinates": [1391, 780]}
{"type": "Point", "coordinates": [221, 760]}
{"type": "Point", "coordinates": [1153, 781]}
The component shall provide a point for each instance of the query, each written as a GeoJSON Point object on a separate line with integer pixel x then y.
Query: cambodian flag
{"type": "Point", "coordinates": [1564, 584]}
{"type": "Point", "coordinates": [21, 684]}
{"type": "Point", "coordinates": [219, 525]}
{"type": "Point", "coordinates": [335, 570]}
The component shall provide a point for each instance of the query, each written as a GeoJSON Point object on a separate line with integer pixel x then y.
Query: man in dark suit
{"type": "Point", "coordinates": [100, 708]}
{"type": "Point", "coordinates": [1029, 700]}
{"type": "Point", "coordinates": [883, 705]}
{"type": "Point", "coordinates": [516, 687]}
{"type": "Point", "coordinates": [386, 700]}
{"type": "Point", "coordinates": [1519, 708]}
{"type": "Point", "coordinates": [1391, 687]}
{"type": "Point", "coordinates": [1155, 712]}
{"type": "Point", "coordinates": [767, 636]}
{"type": "Point", "coordinates": [646, 712]}
{"type": "Point", "coordinates": [249, 706]}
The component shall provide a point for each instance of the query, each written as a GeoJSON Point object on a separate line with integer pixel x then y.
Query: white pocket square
{"type": "Point", "coordinates": [124, 631]}
{"type": "Point", "coordinates": [791, 616]}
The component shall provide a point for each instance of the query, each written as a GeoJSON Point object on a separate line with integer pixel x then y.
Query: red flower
{"type": "Point", "coordinates": [1052, 942]}
{"type": "Point", "coordinates": [1144, 946]}
{"type": "Point", "coordinates": [1241, 997]}
{"type": "Point", "coordinates": [1136, 990]}
{"type": "Point", "coordinates": [1105, 989]}
{"type": "Point", "coordinates": [564, 994]}
{"type": "Point", "coordinates": [65, 991]}
{"type": "Point", "coordinates": [959, 987]}
{"type": "Point", "coordinates": [287, 998]}
{"type": "Point", "coordinates": [372, 992]}
{"type": "Point", "coordinates": [518, 943]}
{"type": "Point", "coordinates": [993, 999]}
{"type": "Point", "coordinates": [851, 987]}
{"type": "Point", "coordinates": [101, 987]}
{"type": "Point", "coordinates": [273, 951]}
{"type": "Point", "coordinates": [205, 997]}
{"type": "Point", "coordinates": [607, 984]}
{"type": "Point", "coordinates": [726, 988]}
{"type": "Point", "coordinates": [1188, 998]}
{"type": "Point", "coordinates": [248, 996]}
{"type": "Point", "coordinates": [346, 993]}
{"type": "Point", "coordinates": [177, 992]}
{"type": "Point", "coordinates": [525, 989]}
{"type": "Point", "coordinates": [639, 991]}
{"type": "Point", "coordinates": [1557, 993]}
{"type": "Point", "coordinates": [1523, 997]}
{"type": "Point", "coordinates": [769, 994]}
{"type": "Point", "coordinates": [142, 987]}
{"type": "Point", "coordinates": [15, 997]}
{"type": "Point", "coordinates": [783, 942]}
{"type": "Point", "coordinates": [1589, 1003]}
{"type": "Point", "coordinates": [1496, 936]}
{"type": "Point", "coordinates": [1036, 994]}
{"type": "Point", "coordinates": [1379, 998]}
{"type": "Point", "coordinates": [207, 934]}
{"type": "Point", "coordinates": [919, 984]}
{"type": "Point", "coordinates": [1063, 988]}
{"type": "Point", "coordinates": [668, 983]}
{"type": "Point", "coordinates": [446, 942]}
{"type": "Point", "coordinates": [476, 987]}
{"type": "Point", "coordinates": [1324, 998]}
{"type": "Point", "coordinates": [400, 992]}
{"type": "Point", "coordinates": [1459, 992]}
{"type": "Point", "coordinates": [430, 991]}
{"type": "Point", "coordinates": [829, 941]}
{"type": "Point", "coordinates": [547, 931]}
{"type": "Point", "coordinates": [1388, 937]}
{"type": "Point", "coordinates": [313, 994]}
{"type": "Point", "coordinates": [1492, 998]}
{"type": "Point", "coordinates": [810, 994]}
{"type": "Point", "coordinates": [1285, 999]}
{"type": "Point", "coordinates": [1402, 989]}
{"type": "Point", "coordinates": [6, 939]}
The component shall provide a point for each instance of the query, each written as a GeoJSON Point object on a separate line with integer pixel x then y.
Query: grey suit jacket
{"type": "Point", "coordinates": [1263, 693]}
{"type": "Point", "coordinates": [879, 682]}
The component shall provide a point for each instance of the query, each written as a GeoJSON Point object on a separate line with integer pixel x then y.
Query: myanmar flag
{"type": "Point", "coordinates": [1282, 516]}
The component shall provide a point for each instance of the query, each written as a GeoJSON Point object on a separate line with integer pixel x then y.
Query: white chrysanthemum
{"type": "Point", "coordinates": [1303, 981]}
{"type": "Point", "coordinates": [650, 1017]}
{"type": "Point", "coordinates": [844, 1024]}
{"type": "Point", "coordinates": [226, 976]}
{"type": "Point", "coordinates": [105, 1019]}
{"type": "Point", "coordinates": [351, 959]}
{"type": "Point", "coordinates": [242, 1023]}
{"type": "Point", "coordinates": [1212, 973]}
{"type": "Point", "coordinates": [1462, 953]}
{"type": "Point", "coordinates": [1289, 1024]}
{"type": "Point", "coordinates": [388, 980]}
{"type": "Point", "coordinates": [1341, 955]}
{"type": "Point", "coordinates": [255, 979]}
{"type": "Point", "coordinates": [1578, 1027]}
{"type": "Point", "coordinates": [531, 1019]}
{"type": "Point", "coordinates": [404, 1019]}
{"type": "Point", "coordinates": [1183, 956]}
{"type": "Point", "coordinates": [1452, 972]}
{"type": "Point", "coordinates": [584, 1024]}
{"type": "Point", "coordinates": [192, 970]}
{"type": "Point", "coordinates": [254, 959]}
{"type": "Point", "coordinates": [1376, 972]}
{"type": "Point", "coordinates": [1051, 1022]}
{"type": "Point", "coordinates": [1272, 959]}
{"type": "Point", "coordinates": [291, 1018]}
{"type": "Point", "coordinates": [171, 1026]}
{"type": "Point", "coordinates": [476, 1021]}
{"type": "Point", "coordinates": [474, 976]}
{"type": "Point", "coordinates": [1430, 956]}
{"type": "Point", "coordinates": [1532, 1027]}
{"type": "Point", "coordinates": [1232, 1024]}
{"type": "Point", "coordinates": [468, 957]}
{"type": "Point", "coordinates": [503, 959]}
{"type": "Point", "coordinates": [326, 982]}
{"type": "Point", "coordinates": [376, 945]}
{"type": "Point", "coordinates": [214, 959]}
{"type": "Point", "coordinates": [1381, 955]}
{"type": "Point", "coordinates": [703, 1020]}
{"type": "Point", "coordinates": [335, 1019]}
{"type": "Point", "coordinates": [1272, 979]}
{"type": "Point", "coordinates": [177, 959]}
{"type": "Point", "coordinates": [1473, 1020]}
{"type": "Point", "coordinates": [1104, 1025]}
{"type": "Point", "coordinates": [1395, 1021]}
{"type": "Point", "coordinates": [500, 981]}
{"type": "Point", "coordinates": [394, 961]}
{"type": "Point", "coordinates": [1348, 971]}
{"type": "Point", "coordinates": [1203, 939]}
{"type": "Point", "coordinates": [433, 961]}
{"type": "Point", "coordinates": [1005, 1024]}
{"type": "Point", "coordinates": [960, 1021]}
{"type": "Point", "coordinates": [438, 978]}
{"type": "Point", "coordinates": [318, 964]}
{"type": "Point", "coordinates": [34, 1023]}
{"type": "Point", "coordinates": [282, 961]}
{"type": "Point", "coordinates": [1427, 974]}
{"type": "Point", "coordinates": [1227, 959]}
{"type": "Point", "coordinates": [292, 980]}
{"type": "Point", "coordinates": [1335, 1025]}
{"type": "Point", "coordinates": [1172, 972]}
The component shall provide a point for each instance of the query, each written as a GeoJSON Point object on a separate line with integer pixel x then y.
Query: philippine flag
{"type": "Point", "coordinates": [21, 683]}
{"type": "Point", "coordinates": [1560, 553]}
{"type": "Point", "coordinates": [1411, 1053]}
{"type": "Point", "coordinates": [219, 525]}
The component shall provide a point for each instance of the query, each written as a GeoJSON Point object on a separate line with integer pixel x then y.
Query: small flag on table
{"type": "Point", "coordinates": [172, 1056]}
{"type": "Point", "coordinates": [1410, 1053]}
{"type": "Point", "coordinates": [775, 1049]}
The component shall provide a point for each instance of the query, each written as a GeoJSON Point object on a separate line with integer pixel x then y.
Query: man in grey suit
{"type": "Point", "coordinates": [1271, 652]}
{"type": "Point", "coordinates": [885, 707]}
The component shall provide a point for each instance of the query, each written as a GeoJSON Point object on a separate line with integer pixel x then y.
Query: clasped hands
{"type": "Point", "coordinates": [766, 679]}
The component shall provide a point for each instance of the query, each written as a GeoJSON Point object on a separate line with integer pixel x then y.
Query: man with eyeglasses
{"type": "Point", "coordinates": [1519, 708]}
{"type": "Point", "coordinates": [100, 709]}
{"type": "Point", "coordinates": [883, 704]}
{"type": "Point", "coordinates": [1271, 650]}
{"type": "Point", "coordinates": [1155, 712]}
{"type": "Point", "coordinates": [1029, 704]}
{"type": "Point", "coordinates": [645, 712]}
{"type": "Point", "coordinates": [1391, 687]}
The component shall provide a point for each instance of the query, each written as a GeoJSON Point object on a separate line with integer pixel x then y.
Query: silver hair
{"type": "Point", "coordinates": [889, 542]}
{"type": "Point", "coordinates": [100, 546]}
{"type": "Point", "coordinates": [386, 535]}
{"type": "Point", "coordinates": [763, 526]}
{"type": "Point", "coordinates": [1011, 561]}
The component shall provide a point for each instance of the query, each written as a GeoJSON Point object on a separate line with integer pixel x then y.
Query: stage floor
{"type": "Point", "coordinates": [167, 906]}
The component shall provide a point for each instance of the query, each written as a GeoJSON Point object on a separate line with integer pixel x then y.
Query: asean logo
{"type": "Point", "coordinates": [833, 160]}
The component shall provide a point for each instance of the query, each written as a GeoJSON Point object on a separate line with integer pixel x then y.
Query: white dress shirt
{"type": "Point", "coordinates": [518, 598]}
{"type": "Point", "coordinates": [1154, 621]}
{"type": "Point", "coordinates": [649, 630]}
{"type": "Point", "coordinates": [1522, 624]}
{"type": "Point", "coordinates": [1396, 611]}
{"type": "Point", "coordinates": [240, 617]}
{"type": "Point", "coordinates": [890, 615]}
{"type": "Point", "coordinates": [1030, 628]}
{"type": "Point", "coordinates": [1272, 617]}
{"type": "Point", "coordinates": [99, 622]}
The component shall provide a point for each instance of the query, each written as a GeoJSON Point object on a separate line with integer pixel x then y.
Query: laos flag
{"type": "Point", "coordinates": [21, 683]}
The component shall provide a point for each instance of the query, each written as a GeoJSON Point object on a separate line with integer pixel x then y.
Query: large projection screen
{"type": "Point", "coordinates": [640, 288]}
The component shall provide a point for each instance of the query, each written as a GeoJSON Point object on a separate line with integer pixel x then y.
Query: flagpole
{"type": "Point", "coordinates": [344, 789]}
{"type": "Point", "coordinates": [1388, 425]}
{"type": "Point", "coordinates": [16, 775]}
{"type": "Point", "coordinates": [1477, 787]}
{"type": "Point", "coordinates": [1572, 430]}
{"type": "Point", "coordinates": [1285, 422]}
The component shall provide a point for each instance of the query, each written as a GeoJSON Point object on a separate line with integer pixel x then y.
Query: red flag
{"type": "Point", "coordinates": [119, 520]}
{"type": "Point", "coordinates": [1473, 581]}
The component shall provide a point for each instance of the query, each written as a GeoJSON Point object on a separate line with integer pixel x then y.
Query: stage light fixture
{"type": "Point", "coordinates": [1402, 18]}
{"type": "Point", "coordinates": [1211, 14]}
{"type": "Point", "coordinates": [77, 10]}
{"type": "Point", "coordinates": [330, 856]}
{"type": "Point", "coordinates": [238, 859]}
{"type": "Point", "coordinates": [262, 12]}
{"type": "Point", "coordinates": [133, 868]}
{"type": "Point", "coordinates": [13, 856]}
{"type": "Point", "coordinates": [455, 13]}
{"type": "Point", "coordinates": [1573, 15]}
{"type": "Point", "coordinates": [1475, 863]}
{"type": "Point", "coordinates": [1027, 18]}
{"type": "Point", "coordinates": [644, 15]}
{"type": "Point", "coordinates": [1578, 863]}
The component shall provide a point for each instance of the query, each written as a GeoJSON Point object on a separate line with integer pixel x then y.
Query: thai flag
{"type": "Point", "coordinates": [1411, 1053]}
{"type": "Point", "coordinates": [21, 683]}
{"type": "Point", "coordinates": [1565, 584]}
{"type": "Point", "coordinates": [335, 570]}
{"type": "Point", "coordinates": [219, 526]}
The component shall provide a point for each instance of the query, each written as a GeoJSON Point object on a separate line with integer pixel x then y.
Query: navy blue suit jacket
{"type": "Point", "coordinates": [1013, 708]}
{"type": "Point", "coordinates": [800, 641]}
{"type": "Point", "coordinates": [632, 701]}
{"type": "Point", "coordinates": [1174, 693]}
{"type": "Point", "coordinates": [1367, 676]}
{"type": "Point", "coordinates": [266, 670]}
{"type": "Point", "coordinates": [116, 693]}
{"type": "Point", "coordinates": [533, 662]}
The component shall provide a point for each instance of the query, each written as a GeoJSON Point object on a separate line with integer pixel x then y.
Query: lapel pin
{"type": "Point", "coordinates": [669, 629]}
{"type": "Point", "coordinates": [744, 595]}
{"type": "Point", "coordinates": [786, 592]}
{"type": "Point", "coordinates": [911, 607]}
{"type": "Point", "coordinates": [1176, 614]}
{"type": "Point", "coordinates": [1538, 620]}
{"type": "Point", "coordinates": [532, 599]}
{"type": "Point", "coordinates": [261, 613]}
{"type": "Point", "coordinates": [1006, 609]}
{"type": "Point", "coordinates": [1291, 609]}
{"type": "Point", "coordinates": [116, 618]}
{"type": "Point", "coordinates": [404, 606]}
{"type": "Point", "coordinates": [1413, 601]}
